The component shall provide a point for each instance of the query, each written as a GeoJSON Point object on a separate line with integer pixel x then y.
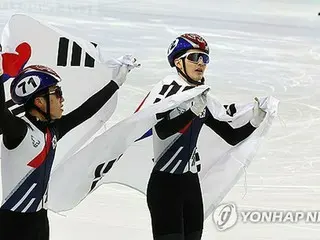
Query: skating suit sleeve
{"type": "Point", "coordinates": [13, 128]}
{"type": "Point", "coordinates": [231, 135]}
{"type": "Point", "coordinates": [86, 110]}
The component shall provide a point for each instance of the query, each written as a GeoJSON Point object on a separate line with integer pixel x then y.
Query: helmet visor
{"type": "Point", "coordinates": [57, 92]}
{"type": "Point", "coordinates": [195, 57]}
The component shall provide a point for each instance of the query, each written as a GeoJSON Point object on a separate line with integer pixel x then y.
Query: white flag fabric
{"type": "Point", "coordinates": [123, 154]}
{"type": "Point", "coordinates": [98, 163]}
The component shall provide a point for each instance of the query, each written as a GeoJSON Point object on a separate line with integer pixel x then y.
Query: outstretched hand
{"type": "Point", "coordinates": [121, 66]}
{"type": "Point", "coordinates": [258, 114]}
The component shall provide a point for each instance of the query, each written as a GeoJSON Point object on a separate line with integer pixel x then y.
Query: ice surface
{"type": "Point", "coordinates": [258, 48]}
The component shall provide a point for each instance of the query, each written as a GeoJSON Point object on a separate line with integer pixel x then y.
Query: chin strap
{"type": "Point", "coordinates": [46, 115]}
{"type": "Point", "coordinates": [186, 76]}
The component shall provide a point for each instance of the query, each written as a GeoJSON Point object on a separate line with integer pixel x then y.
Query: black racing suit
{"type": "Point", "coordinates": [174, 195]}
{"type": "Point", "coordinates": [33, 225]}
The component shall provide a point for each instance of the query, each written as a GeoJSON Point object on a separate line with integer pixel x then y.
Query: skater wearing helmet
{"type": "Point", "coordinates": [29, 145]}
{"type": "Point", "coordinates": [174, 194]}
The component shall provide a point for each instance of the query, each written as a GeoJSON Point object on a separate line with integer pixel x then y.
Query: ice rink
{"type": "Point", "coordinates": [258, 48]}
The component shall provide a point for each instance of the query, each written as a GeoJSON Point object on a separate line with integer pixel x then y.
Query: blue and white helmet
{"type": "Point", "coordinates": [184, 43]}
{"type": "Point", "coordinates": [30, 81]}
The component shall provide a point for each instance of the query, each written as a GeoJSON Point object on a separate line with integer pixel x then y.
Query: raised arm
{"type": "Point", "coordinates": [121, 67]}
{"type": "Point", "coordinates": [13, 128]}
{"type": "Point", "coordinates": [86, 110]}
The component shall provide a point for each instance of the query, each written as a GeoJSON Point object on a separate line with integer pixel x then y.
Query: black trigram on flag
{"type": "Point", "coordinates": [173, 88]}
{"type": "Point", "coordinates": [167, 91]}
{"type": "Point", "coordinates": [230, 109]}
{"type": "Point", "coordinates": [101, 170]}
{"type": "Point", "coordinates": [76, 54]}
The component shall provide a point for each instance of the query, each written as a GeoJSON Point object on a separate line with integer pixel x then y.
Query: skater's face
{"type": "Point", "coordinates": [56, 102]}
{"type": "Point", "coordinates": [195, 64]}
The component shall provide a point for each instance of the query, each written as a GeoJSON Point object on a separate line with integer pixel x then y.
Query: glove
{"type": "Point", "coordinates": [258, 114]}
{"type": "Point", "coordinates": [199, 103]}
{"type": "Point", "coordinates": [121, 66]}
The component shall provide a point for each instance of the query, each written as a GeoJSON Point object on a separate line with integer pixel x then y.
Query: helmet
{"type": "Point", "coordinates": [183, 43]}
{"type": "Point", "coordinates": [30, 81]}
